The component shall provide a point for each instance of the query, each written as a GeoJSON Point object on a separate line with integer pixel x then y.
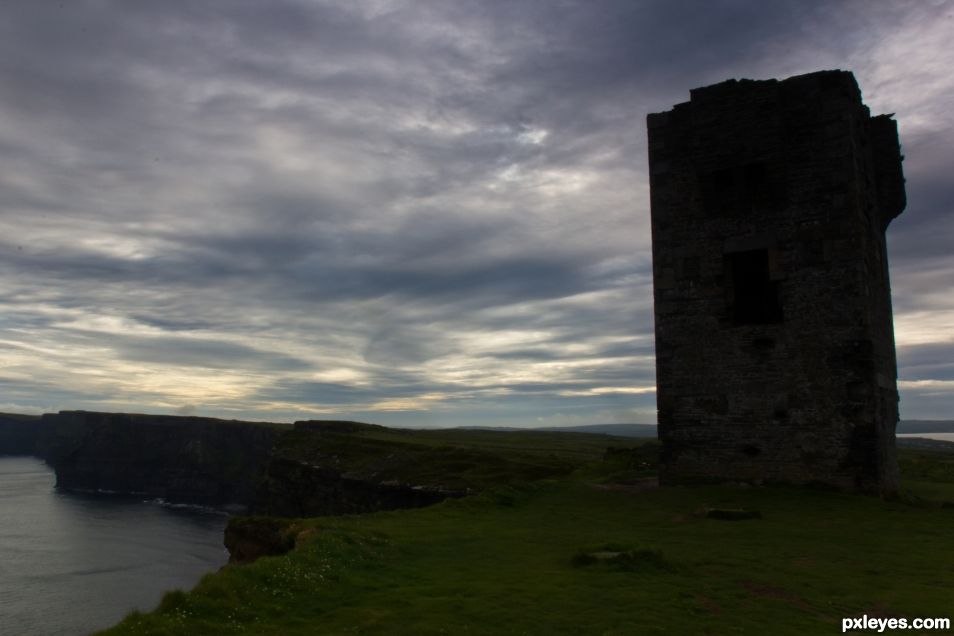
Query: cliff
{"type": "Point", "coordinates": [314, 468]}
{"type": "Point", "coordinates": [180, 459]}
{"type": "Point", "coordinates": [337, 467]}
{"type": "Point", "coordinates": [341, 467]}
{"type": "Point", "coordinates": [20, 434]}
{"type": "Point", "coordinates": [297, 488]}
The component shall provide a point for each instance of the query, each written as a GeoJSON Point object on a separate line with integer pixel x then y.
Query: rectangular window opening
{"type": "Point", "coordinates": [752, 294]}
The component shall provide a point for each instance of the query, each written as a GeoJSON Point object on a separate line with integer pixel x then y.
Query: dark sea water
{"type": "Point", "coordinates": [72, 564]}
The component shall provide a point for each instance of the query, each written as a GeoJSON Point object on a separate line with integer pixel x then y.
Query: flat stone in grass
{"type": "Point", "coordinates": [628, 560]}
{"type": "Point", "coordinates": [732, 514]}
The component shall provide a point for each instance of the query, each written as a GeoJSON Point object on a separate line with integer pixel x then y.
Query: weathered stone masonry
{"type": "Point", "coordinates": [774, 344]}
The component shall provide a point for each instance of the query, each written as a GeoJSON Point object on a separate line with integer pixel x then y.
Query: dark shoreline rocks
{"type": "Point", "coordinates": [249, 538]}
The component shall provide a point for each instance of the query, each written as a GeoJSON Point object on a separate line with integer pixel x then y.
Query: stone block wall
{"type": "Point", "coordinates": [774, 342]}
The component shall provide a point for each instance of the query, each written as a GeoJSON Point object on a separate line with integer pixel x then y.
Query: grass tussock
{"type": "Point", "coordinates": [618, 558]}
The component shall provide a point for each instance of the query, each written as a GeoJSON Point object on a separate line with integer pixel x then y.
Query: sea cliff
{"type": "Point", "coordinates": [192, 460]}
{"type": "Point", "coordinates": [20, 434]}
{"type": "Point", "coordinates": [312, 468]}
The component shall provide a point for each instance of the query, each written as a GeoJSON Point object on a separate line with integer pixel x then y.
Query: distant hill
{"type": "Point", "coordinates": [620, 430]}
{"type": "Point", "coordinates": [925, 443]}
{"type": "Point", "coordinates": [926, 426]}
{"type": "Point", "coordinates": [649, 430]}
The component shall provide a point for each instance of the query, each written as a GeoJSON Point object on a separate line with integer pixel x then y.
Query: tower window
{"type": "Point", "coordinates": [752, 294]}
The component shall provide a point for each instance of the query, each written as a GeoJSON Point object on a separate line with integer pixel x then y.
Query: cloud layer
{"type": "Point", "coordinates": [419, 213]}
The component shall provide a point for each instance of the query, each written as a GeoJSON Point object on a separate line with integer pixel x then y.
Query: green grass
{"type": "Point", "coordinates": [451, 459]}
{"type": "Point", "coordinates": [927, 465]}
{"type": "Point", "coordinates": [585, 555]}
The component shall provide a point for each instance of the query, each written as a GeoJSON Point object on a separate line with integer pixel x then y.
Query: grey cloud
{"type": "Point", "coordinates": [926, 404]}
{"type": "Point", "coordinates": [45, 394]}
{"type": "Point", "coordinates": [547, 352]}
{"type": "Point", "coordinates": [923, 233]}
{"type": "Point", "coordinates": [205, 353]}
{"type": "Point", "coordinates": [174, 129]}
{"type": "Point", "coordinates": [324, 393]}
{"type": "Point", "coordinates": [927, 362]}
{"type": "Point", "coordinates": [172, 325]}
{"type": "Point", "coordinates": [400, 344]}
{"type": "Point", "coordinates": [392, 384]}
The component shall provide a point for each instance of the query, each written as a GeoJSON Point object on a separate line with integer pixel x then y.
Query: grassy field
{"type": "Point", "coordinates": [455, 459]}
{"type": "Point", "coordinates": [599, 551]}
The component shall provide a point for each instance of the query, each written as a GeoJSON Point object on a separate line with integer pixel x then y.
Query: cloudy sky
{"type": "Point", "coordinates": [411, 212]}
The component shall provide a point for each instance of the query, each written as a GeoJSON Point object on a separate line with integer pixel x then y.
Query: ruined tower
{"type": "Point", "coordinates": [775, 353]}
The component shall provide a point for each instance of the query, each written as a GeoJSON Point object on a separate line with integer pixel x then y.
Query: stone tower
{"type": "Point", "coordinates": [775, 353]}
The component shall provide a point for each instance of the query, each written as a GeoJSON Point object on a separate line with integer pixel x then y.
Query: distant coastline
{"type": "Point", "coordinates": [906, 428]}
{"type": "Point", "coordinates": [934, 437]}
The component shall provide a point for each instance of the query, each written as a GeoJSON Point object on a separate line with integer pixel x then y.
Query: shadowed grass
{"type": "Point", "coordinates": [573, 556]}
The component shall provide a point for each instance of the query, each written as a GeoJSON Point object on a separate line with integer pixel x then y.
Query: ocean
{"type": "Point", "coordinates": [74, 564]}
{"type": "Point", "coordinates": [943, 437]}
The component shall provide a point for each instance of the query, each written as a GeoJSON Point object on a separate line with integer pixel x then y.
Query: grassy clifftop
{"type": "Point", "coordinates": [598, 551]}
{"type": "Point", "coordinates": [453, 459]}
{"type": "Point", "coordinates": [324, 468]}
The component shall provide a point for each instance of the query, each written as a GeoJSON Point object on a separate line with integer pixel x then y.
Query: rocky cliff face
{"type": "Point", "coordinates": [296, 488]}
{"type": "Point", "coordinates": [180, 459]}
{"type": "Point", "coordinates": [19, 434]}
{"type": "Point", "coordinates": [315, 468]}
{"type": "Point", "coordinates": [249, 538]}
{"type": "Point", "coordinates": [319, 468]}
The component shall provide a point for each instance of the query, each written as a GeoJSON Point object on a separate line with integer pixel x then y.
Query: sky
{"type": "Point", "coordinates": [415, 213]}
